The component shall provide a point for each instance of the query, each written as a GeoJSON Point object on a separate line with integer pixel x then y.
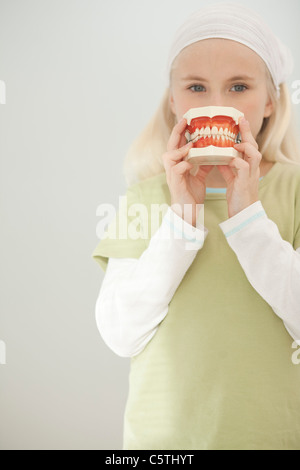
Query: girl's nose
{"type": "Point", "coordinates": [217, 100]}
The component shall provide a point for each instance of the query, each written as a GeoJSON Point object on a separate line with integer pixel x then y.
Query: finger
{"type": "Point", "coordinates": [183, 140]}
{"type": "Point", "coordinates": [227, 173]}
{"type": "Point", "coordinates": [207, 168]}
{"type": "Point", "coordinates": [201, 171]}
{"type": "Point", "coordinates": [195, 170]}
{"type": "Point", "coordinates": [171, 158]}
{"type": "Point", "coordinates": [246, 133]}
{"type": "Point", "coordinates": [181, 168]}
{"type": "Point", "coordinates": [241, 166]}
{"type": "Point", "coordinates": [204, 170]}
{"type": "Point", "coordinates": [176, 137]}
{"type": "Point", "coordinates": [251, 155]}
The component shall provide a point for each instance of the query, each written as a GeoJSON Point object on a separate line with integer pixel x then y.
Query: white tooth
{"type": "Point", "coordinates": [221, 132]}
{"type": "Point", "coordinates": [188, 135]}
{"type": "Point", "coordinates": [207, 131]}
{"type": "Point", "coordinates": [202, 131]}
{"type": "Point", "coordinates": [223, 138]}
{"type": "Point", "coordinates": [214, 130]}
{"type": "Point", "coordinates": [225, 131]}
{"type": "Point", "coordinates": [194, 134]}
{"type": "Point", "coordinates": [218, 136]}
{"type": "Point", "coordinates": [214, 136]}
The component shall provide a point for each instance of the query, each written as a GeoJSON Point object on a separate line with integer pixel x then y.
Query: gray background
{"type": "Point", "coordinates": [71, 67]}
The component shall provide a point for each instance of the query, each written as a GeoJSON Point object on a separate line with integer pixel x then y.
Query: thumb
{"type": "Point", "coordinates": [204, 170]}
{"type": "Point", "coordinates": [226, 172]}
{"type": "Point", "coordinates": [207, 168]}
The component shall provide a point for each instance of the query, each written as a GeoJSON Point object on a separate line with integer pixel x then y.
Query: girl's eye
{"type": "Point", "coordinates": [196, 88]}
{"type": "Point", "coordinates": [239, 88]}
{"type": "Point", "coordinates": [236, 88]}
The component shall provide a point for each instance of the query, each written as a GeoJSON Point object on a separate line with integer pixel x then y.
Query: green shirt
{"type": "Point", "coordinates": [218, 374]}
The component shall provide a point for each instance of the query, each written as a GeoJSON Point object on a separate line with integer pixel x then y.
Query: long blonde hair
{"type": "Point", "coordinates": [277, 139]}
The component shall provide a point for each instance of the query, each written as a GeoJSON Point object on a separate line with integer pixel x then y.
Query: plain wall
{"type": "Point", "coordinates": [75, 70]}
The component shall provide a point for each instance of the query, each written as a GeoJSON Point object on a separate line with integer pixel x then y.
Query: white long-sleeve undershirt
{"type": "Point", "coordinates": [135, 293]}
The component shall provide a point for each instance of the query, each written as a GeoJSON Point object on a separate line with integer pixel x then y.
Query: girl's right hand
{"type": "Point", "coordinates": [185, 189]}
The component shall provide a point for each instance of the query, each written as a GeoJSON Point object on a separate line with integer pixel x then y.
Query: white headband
{"type": "Point", "coordinates": [238, 23]}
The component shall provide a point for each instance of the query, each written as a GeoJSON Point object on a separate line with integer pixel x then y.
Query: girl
{"type": "Point", "coordinates": [208, 310]}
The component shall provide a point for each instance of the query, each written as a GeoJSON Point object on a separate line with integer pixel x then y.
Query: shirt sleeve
{"type": "Point", "coordinates": [135, 293]}
{"type": "Point", "coordinates": [271, 264]}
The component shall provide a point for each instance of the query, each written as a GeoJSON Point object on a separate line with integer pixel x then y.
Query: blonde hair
{"type": "Point", "coordinates": [277, 139]}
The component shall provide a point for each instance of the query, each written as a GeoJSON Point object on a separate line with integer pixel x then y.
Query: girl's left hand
{"type": "Point", "coordinates": [242, 174]}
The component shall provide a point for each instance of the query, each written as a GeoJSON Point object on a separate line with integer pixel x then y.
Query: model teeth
{"type": "Point", "coordinates": [215, 133]}
{"type": "Point", "coordinates": [213, 111]}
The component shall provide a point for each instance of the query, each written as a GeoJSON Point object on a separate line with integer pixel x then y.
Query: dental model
{"type": "Point", "coordinates": [213, 130]}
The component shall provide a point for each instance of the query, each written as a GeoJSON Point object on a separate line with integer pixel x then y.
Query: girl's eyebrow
{"type": "Point", "coordinates": [241, 77]}
{"type": "Point", "coordinates": [200, 79]}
